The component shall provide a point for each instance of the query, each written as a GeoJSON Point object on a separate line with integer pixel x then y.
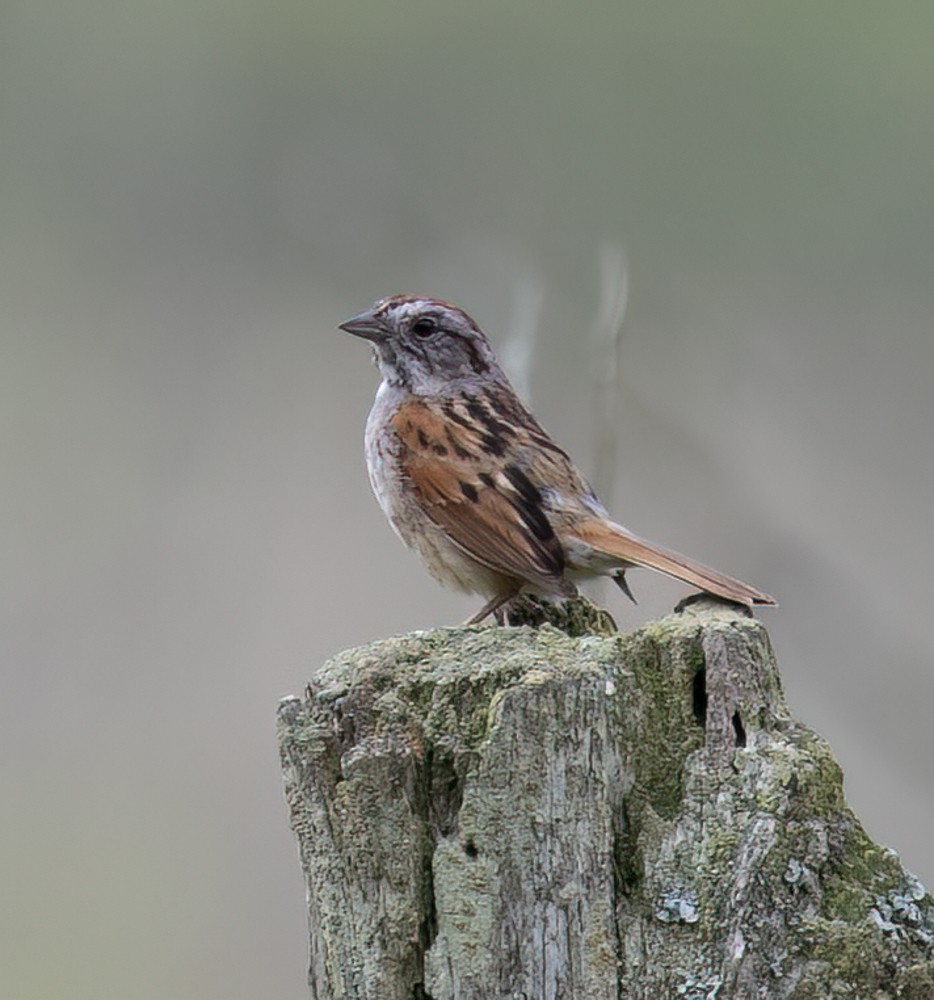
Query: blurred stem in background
{"type": "Point", "coordinates": [606, 338]}
{"type": "Point", "coordinates": [519, 345]}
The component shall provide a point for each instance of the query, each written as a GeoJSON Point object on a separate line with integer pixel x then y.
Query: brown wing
{"type": "Point", "coordinates": [466, 469]}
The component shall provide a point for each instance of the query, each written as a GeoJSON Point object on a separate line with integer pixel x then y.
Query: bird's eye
{"type": "Point", "coordinates": [424, 327]}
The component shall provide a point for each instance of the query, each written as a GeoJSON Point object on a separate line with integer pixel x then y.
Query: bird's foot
{"type": "Point", "coordinates": [576, 615]}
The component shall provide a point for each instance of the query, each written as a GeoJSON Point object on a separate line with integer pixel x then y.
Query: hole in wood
{"type": "Point", "coordinates": [699, 697]}
{"type": "Point", "coordinates": [470, 848]}
{"type": "Point", "coordinates": [445, 792]}
{"type": "Point", "coordinates": [739, 730]}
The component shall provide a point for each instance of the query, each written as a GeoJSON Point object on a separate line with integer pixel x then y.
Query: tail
{"type": "Point", "coordinates": [610, 543]}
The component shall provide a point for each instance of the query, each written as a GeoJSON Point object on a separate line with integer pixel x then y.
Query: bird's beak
{"type": "Point", "coordinates": [364, 325]}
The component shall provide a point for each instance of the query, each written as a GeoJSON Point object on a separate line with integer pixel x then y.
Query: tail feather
{"type": "Point", "coordinates": [611, 543]}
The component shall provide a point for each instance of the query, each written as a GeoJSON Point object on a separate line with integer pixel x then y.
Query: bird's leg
{"type": "Point", "coordinates": [494, 606]}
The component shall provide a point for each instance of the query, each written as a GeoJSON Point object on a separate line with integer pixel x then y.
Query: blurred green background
{"type": "Point", "coordinates": [193, 194]}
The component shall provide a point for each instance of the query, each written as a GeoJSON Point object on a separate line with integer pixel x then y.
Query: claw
{"type": "Point", "coordinates": [620, 580]}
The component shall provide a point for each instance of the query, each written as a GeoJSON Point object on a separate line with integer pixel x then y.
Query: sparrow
{"type": "Point", "coordinates": [470, 480]}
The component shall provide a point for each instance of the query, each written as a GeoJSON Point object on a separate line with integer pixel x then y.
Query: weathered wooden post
{"type": "Point", "coordinates": [488, 813]}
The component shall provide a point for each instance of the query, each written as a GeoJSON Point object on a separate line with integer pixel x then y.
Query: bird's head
{"type": "Point", "coordinates": [424, 344]}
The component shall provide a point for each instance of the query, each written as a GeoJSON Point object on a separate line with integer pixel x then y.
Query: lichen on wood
{"type": "Point", "coordinates": [488, 813]}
